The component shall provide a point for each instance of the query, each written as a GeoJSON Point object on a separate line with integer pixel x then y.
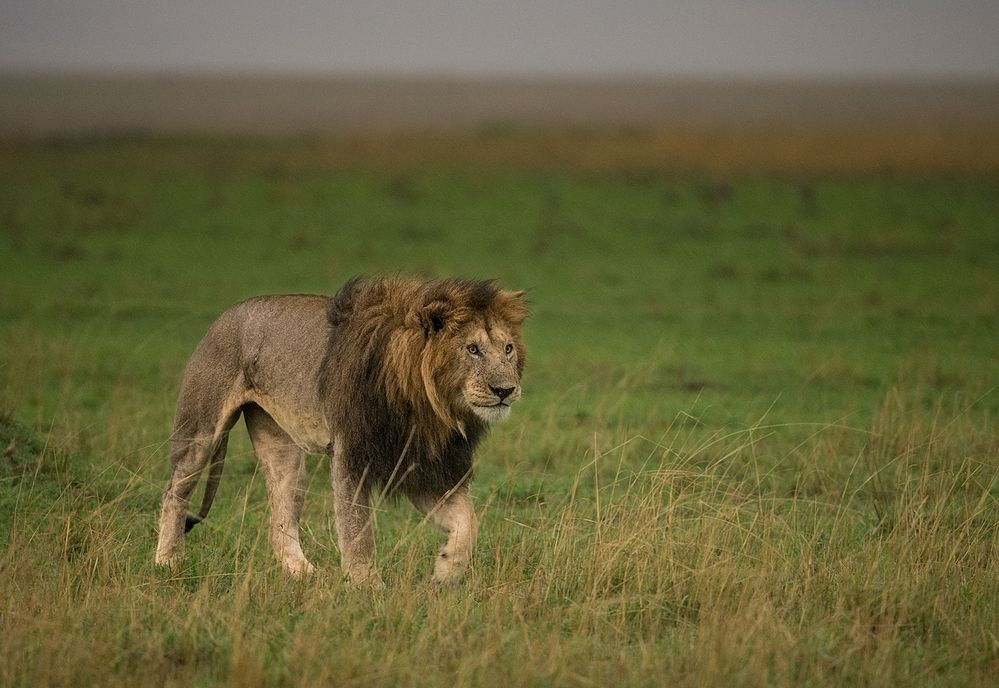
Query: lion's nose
{"type": "Point", "coordinates": [502, 392]}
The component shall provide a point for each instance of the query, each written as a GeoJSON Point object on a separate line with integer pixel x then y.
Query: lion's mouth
{"type": "Point", "coordinates": [491, 413]}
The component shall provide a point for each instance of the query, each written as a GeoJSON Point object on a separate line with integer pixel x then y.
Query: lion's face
{"type": "Point", "coordinates": [489, 355]}
{"type": "Point", "coordinates": [472, 354]}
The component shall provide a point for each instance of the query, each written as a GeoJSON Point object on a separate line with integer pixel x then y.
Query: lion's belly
{"type": "Point", "coordinates": [306, 425]}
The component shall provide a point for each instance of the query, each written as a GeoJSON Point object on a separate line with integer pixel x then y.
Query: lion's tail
{"type": "Point", "coordinates": [211, 487]}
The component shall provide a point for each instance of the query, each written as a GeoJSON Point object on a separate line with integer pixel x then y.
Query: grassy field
{"type": "Point", "coordinates": [758, 443]}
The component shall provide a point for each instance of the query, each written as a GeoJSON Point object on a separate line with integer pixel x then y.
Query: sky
{"type": "Point", "coordinates": [761, 38]}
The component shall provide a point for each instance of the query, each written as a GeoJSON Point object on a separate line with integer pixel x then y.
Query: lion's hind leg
{"type": "Point", "coordinates": [191, 449]}
{"type": "Point", "coordinates": [283, 464]}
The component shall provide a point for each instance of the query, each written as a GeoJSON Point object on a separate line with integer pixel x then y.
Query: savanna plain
{"type": "Point", "coordinates": [758, 442]}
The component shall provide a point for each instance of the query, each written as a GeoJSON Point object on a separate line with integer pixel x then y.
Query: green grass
{"type": "Point", "coordinates": [758, 443]}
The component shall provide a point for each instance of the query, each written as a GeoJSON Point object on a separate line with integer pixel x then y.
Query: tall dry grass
{"type": "Point", "coordinates": [689, 559]}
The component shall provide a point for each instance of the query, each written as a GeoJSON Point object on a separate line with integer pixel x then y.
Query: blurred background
{"type": "Point", "coordinates": [919, 76]}
{"type": "Point", "coordinates": [705, 188]}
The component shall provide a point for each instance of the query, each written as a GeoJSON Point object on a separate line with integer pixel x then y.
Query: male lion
{"type": "Point", "coordinates": [396, 379]}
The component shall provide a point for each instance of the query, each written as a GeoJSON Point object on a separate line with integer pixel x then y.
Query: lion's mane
{"type": "Point", "coordinates": [391, 380]}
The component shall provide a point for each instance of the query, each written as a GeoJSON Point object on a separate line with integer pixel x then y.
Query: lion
{"type": "Point", "coordinates": [396, 379]}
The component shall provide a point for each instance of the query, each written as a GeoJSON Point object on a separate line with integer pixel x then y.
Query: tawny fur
{"type": "Point", "coordinates": [395, 379]}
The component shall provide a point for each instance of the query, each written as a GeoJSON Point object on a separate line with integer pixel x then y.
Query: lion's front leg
{"type": "Point", "coordinates": [353, 524]}
{"type": "Point", "coordinates": [455, 515]}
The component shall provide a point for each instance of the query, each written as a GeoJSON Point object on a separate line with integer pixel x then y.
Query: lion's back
{"type": "Point", "coordinates": [274, 344]}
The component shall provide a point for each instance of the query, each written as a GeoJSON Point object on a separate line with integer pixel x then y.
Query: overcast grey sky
{"type": "Point", "coordinates": [520, 37]}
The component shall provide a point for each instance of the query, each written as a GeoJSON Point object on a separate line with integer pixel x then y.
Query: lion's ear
{"type": "Point", "coordinates": [434, 316]}
{"type": "Point", "coordinates": [512, 306]}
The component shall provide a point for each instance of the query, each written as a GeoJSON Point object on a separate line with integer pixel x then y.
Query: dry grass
{"type": "Point", "coordinates": [688, 569]}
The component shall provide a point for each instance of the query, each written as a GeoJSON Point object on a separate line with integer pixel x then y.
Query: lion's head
{"type": "Point", "coordinates": [445, 355]}
{"type": "Point", "coordinates": [472, 355]}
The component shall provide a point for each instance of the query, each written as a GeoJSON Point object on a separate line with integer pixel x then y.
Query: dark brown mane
{"type": "Point", "coordinates": [389, 379]}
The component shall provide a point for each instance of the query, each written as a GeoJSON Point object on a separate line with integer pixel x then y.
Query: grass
{"type": "Point", "coordinates": [757, 446]}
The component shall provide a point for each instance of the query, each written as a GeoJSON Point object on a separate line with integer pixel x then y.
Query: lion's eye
{"type": "Point", "coordinates": [472, 349]}
{"type": "Point", "coordinates": [509, 349]}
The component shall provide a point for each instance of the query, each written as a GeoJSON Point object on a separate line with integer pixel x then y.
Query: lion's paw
{"type": "Point", "coordinates": [443, 579]}
{"type": "Point", "coordinates": [366, 578]}
{"type": "Point", "coordinates": [299, 568]}
{"type": "Point", "coordinates": [171, 562]}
